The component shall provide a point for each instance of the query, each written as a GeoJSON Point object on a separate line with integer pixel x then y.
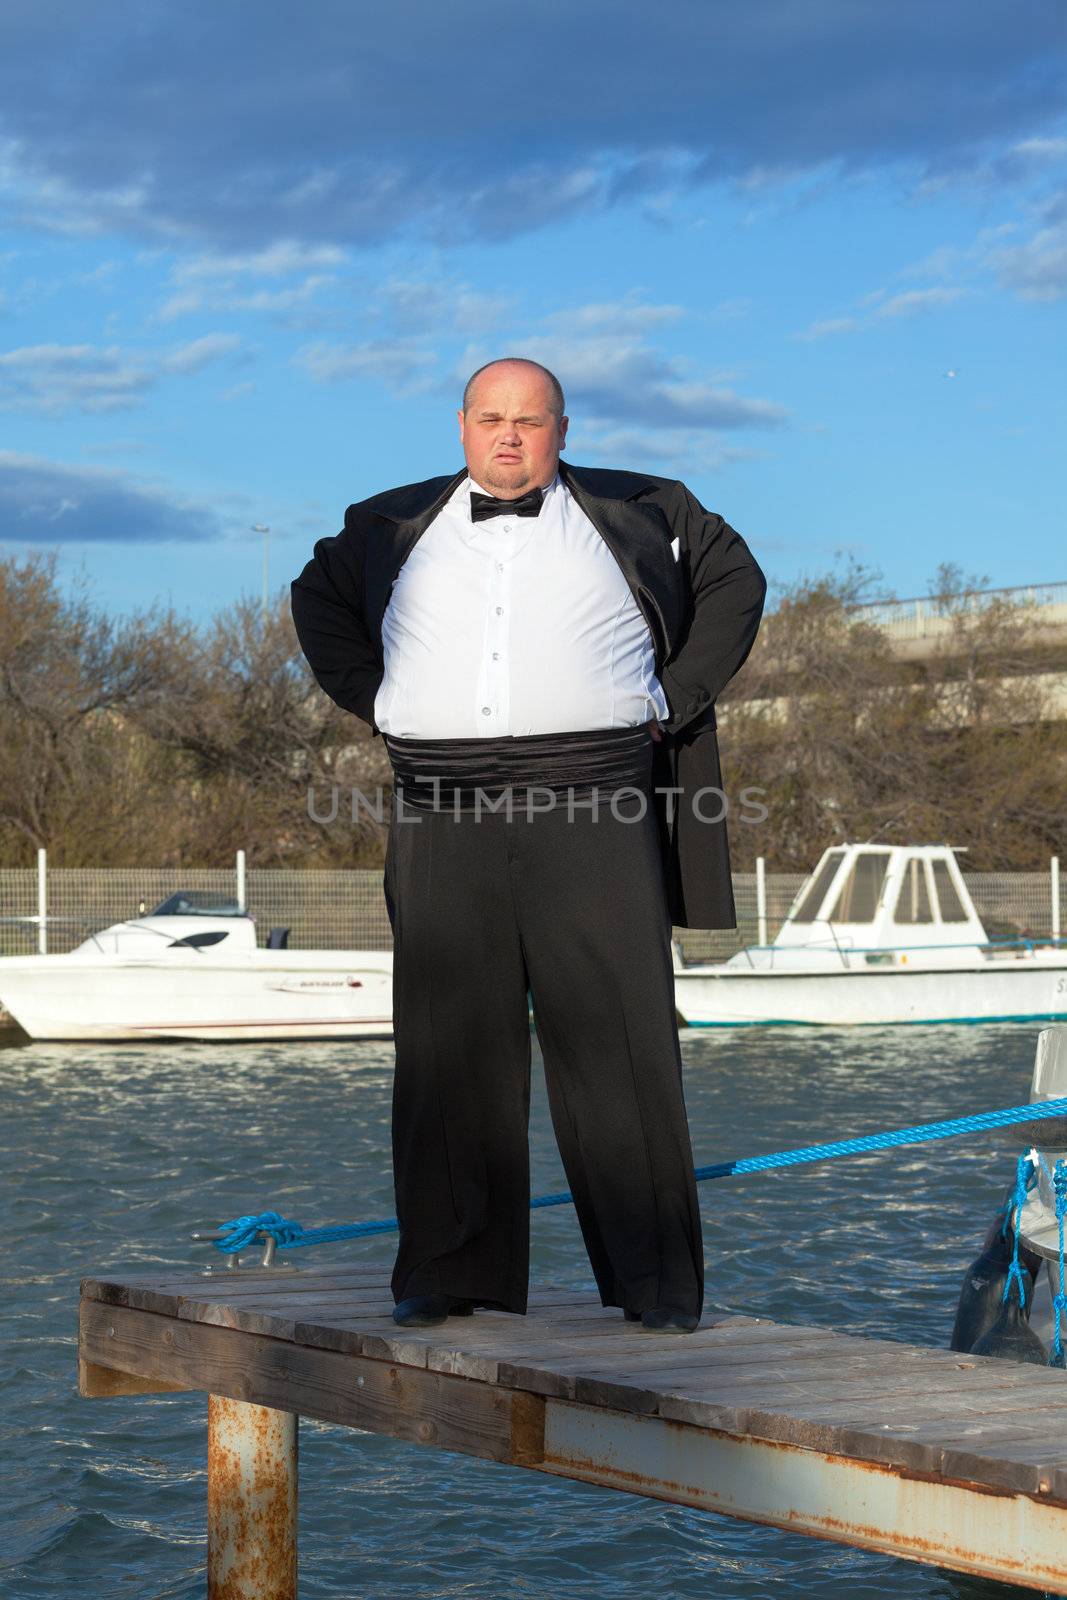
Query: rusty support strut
{"type": "Point", "coordinates": [251, 1501]}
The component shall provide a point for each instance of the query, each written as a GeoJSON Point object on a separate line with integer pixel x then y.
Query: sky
{"type": "Point", "coordinates": [809, 256]}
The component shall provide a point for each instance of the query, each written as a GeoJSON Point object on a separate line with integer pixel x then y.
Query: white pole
{"type": "Point", "coordinates": [42, 901]}
{"type": "Point", "coordinates": [761, 900]}
{"type": "Point", "coordinates": [1054, 875]}
{"type": "Point", "coordinates": [242, 899]}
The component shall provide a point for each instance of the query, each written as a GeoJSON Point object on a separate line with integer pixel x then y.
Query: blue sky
{"type": "Point", "coordinates": [808, 255]}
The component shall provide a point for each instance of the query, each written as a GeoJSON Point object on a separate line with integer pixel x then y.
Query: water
{"type": "Point", "coordinates": [112, 1154]}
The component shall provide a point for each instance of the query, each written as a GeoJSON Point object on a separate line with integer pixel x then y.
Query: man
{"type": "Point", "coordinates": [541, 647]}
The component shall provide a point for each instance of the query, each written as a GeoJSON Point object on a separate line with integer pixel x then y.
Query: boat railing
{"type": "Point", "coordinates": [990, 948]}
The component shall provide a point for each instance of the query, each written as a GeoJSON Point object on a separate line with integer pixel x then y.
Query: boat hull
{"type": "Point", "coordinates": [1005, 992]}
{"type": "Point", "coordinates": [271, 995]}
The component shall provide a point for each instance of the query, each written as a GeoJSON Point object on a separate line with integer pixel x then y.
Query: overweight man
{"type": "Point", "coordinates": [540, 647]}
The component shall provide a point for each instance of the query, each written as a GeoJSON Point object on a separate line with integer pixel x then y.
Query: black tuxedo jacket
{"type": "Point", "coordinates": [703, 611]}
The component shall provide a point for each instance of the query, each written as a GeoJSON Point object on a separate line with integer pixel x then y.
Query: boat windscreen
{"type": "Point", "coordinates": [861, 890]}
{"type": "Point", "coordinates": [952, 909]}
{"type": "Point", "coordinates": [197, 903]}
{"type": "Point", "coordinates": [913, 901]}
{"type": "Point", "coordinates": [811, 903]}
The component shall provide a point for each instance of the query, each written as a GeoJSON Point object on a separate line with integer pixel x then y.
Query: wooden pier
{"type": "Point", "coordinates": [954, 1460]}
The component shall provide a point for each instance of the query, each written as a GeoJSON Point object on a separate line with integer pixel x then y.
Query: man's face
{"type": "Point", "coordinates": [510, 433]}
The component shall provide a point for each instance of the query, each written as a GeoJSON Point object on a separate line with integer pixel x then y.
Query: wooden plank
{"type": "Point", "coordinates": [367, 1328]}
{"type": "Point", "coordinates": [103, 1383]}
{"type": "Point", "coordinates": [164, 1294]}
{"type": "Point", "coordinates": [641, 1362]}
{"type": "Point", "coordinates": [853, 1381]}
{"type": "Point", "coordinates": [178, 1279]}
{"type": "Point", "coordinates": [421, 1407]}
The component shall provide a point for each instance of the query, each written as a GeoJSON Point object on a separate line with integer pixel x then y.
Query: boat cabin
{"type": "Point", "coordinates": [189, 920]}
{"type": "Point", "coordinates": [884, 898]}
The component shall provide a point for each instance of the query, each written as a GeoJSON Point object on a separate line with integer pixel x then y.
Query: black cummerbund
{"type": "Point", "coordinates": [444, 774]}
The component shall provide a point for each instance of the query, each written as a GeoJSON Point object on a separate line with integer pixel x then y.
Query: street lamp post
{"type": "Point", "coordinates": [261, 527]}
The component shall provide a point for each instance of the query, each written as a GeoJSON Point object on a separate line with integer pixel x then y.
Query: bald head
{"type": "Point", "coordinates": [512, 426]}
{"type": "Point", "coordinates": [554, 387]}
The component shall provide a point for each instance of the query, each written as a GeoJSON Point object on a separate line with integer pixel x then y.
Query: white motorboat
{"type": "Point", "coordinates": [879, 934]}
{"type": "Point", "coordinates": [191, 969]}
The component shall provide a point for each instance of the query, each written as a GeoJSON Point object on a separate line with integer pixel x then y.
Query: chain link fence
{"type": "Point", "coordinates": [336, 910]}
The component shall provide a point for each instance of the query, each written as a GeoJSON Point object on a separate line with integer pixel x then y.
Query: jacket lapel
{"type": "Point", "coordinates": [639, 537]}
{"type": "Point", "coordinates": [404, 515]}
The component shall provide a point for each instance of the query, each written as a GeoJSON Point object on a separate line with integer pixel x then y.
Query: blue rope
{"type": "Point", "coordinates": [241, 1233]}
{"type": "Point", "coordinates": [1023, 1170]}
{"type": "Point", "coordinates": [1058, 1180]}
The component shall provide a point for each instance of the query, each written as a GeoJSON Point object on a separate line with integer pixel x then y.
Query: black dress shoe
{"type": "Point", "coordinates": [427, 1310]}
{"type": "Point", "coordinates": [661, 1319]}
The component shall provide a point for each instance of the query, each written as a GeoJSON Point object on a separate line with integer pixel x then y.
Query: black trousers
{"type": "Point", "coordinates": [566, 901]}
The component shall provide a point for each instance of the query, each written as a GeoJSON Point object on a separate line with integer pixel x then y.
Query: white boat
{"type": "Point", "coordinates": [191, 969]}
{"type": "Point", "coordinates": [879, 934]}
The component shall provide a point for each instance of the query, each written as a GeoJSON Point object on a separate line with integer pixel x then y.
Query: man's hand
{"type": "Point", "coordinates": [656, 731]}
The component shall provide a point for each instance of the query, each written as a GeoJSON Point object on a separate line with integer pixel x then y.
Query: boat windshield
{"type": "Point", "coordinates": [861, 890]}
{"type": "Point", "coordinates": [197, 903]}
{"type": "Point", "coordinates": [913, 901]}
{"type": "Point", "coordinates": [811, 903]}
{"type": "Point", "coordinates": [952, 909]}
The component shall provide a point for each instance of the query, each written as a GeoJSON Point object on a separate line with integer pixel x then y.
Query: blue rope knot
{"type": "Point", "coordinates": [242, 1233]}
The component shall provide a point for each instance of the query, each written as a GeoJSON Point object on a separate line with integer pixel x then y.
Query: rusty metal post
{"type": "Point", "coordinates": [251, 1501]}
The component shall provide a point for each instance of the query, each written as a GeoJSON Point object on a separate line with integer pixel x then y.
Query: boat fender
{"type": "Point", "coordinates": [982, 1291]}
{"type": "Point", "coordinates": [1011, 1337]}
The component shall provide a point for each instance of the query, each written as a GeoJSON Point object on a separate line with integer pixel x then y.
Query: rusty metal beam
{"type": "Point", "coordinates": [1016, 1538]}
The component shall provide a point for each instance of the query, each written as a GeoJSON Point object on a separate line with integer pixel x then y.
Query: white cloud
{"type": "Point", "coordinates": [617, 318]}
{"type": "Point", "coordinates": [686, 450]}
{"type": "Point", "coordinates": [827, 326]}
{"type": "Point", "coordinates": [57, 379]}
{"type": "Point", "coordinates": [401, 364]}
{"type": "Point", "coordinates": [878, 308]}
{"type": "Point", "coordinates": [433, 304]}
{"type": "Point", "coordinates": [1037, 269]}
{"type": "Point", "coordinates": [200, 353]}
{"type": "Point", "coordinates": [911, 301]}
{"type": "Point", "coordinates": [49, 502]}
{"type": "Point", "coordinates": [285, 258]}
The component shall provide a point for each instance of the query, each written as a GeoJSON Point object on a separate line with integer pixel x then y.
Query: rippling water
{"type": "Point", "coordinates": [112, 1154]}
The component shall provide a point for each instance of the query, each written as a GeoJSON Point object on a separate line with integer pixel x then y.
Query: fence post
{"type": "Point", "coordinates": [761, 901]}
{"type": "Point", "coordinates": [242, 902]}
{"type": "Point", "coordinates": [1054, 876]}
{"type": "Point", "coordinates": [42, 902]}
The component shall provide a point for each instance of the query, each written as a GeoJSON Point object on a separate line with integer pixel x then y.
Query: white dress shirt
{"type": "Point", "coordinates": [514, 625]}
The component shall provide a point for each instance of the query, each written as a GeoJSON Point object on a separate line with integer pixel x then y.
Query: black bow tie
{"type": "Point", "coordinates": [487, 505]}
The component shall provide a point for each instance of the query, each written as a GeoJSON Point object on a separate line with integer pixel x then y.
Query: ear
{"type": "Point", "coordinates": [563, 421]}
{"type": "Point", "coordinates": [459, 415]}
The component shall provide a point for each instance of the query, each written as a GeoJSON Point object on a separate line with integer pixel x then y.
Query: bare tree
{"type": "Point", "coordinates": [850, 741]}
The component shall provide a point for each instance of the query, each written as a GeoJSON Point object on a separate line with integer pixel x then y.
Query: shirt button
{"type": "Point", "coordinates": [500, 611]}
{"type": "Point", "coordinates": [496, 655]}
{"type": "Point", "coordinates": [500, 566]}
{"type": "Point", "coordinates": [486, 711]}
